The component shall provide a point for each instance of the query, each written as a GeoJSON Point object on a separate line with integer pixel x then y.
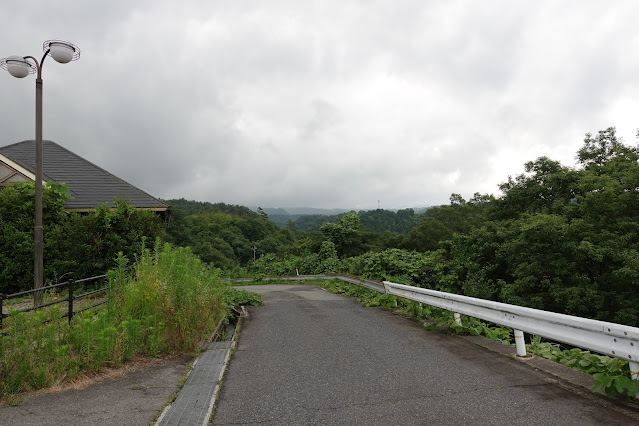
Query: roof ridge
{"type": "Point", "coordinates": [56, 150]}
{"type": "Point", "coordinates": [17, 143]}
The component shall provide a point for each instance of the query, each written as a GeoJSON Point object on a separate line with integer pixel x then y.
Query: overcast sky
{"type": "Point", "coordinates": [324, 103]}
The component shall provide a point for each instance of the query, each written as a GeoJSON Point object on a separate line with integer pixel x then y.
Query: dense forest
{"type": "Point", "coordinates": [560, 238]}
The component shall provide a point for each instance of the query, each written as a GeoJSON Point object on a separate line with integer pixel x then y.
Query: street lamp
{"type": "Point", "coordinates": [20, 67]}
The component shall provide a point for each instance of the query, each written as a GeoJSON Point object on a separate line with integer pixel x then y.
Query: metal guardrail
{"type": "Point", "coordinates": [615, 340]}
{"type": "Point", "coordinates": [607, 338]}
{"type": "Point", "coordinates": [71, 297]}
{"type": "Point", "coordinates": [364, 282]}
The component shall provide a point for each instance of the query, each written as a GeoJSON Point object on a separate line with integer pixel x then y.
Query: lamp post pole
{"type": "Point", "coordinates": [38, 231]}
{"type": "Point", "coordinates": [20, 67]}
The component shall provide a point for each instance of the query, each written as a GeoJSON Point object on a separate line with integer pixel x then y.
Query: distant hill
{"type": "Point", "coordinates": [300, 211]}
{"type": "Point", "coordinates": [308, 218]}
{"type": "Point", "coordinates": [305, 218]}
{"type": "Point", "coordinates": [312, 222]}
{"type": "Point", "coordinates": [273, 211]}
{"type": "Point", "coordinates": [311, 210]}
{"type": "Point", "coordinates": [303, 211]}
{"type": "Point", "coordinates": [399, 221]}
{"type": "Point", "coordinates": [188, 207]}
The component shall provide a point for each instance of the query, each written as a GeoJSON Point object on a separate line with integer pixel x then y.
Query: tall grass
{"type": "Point", "coordinates": [169, 303]}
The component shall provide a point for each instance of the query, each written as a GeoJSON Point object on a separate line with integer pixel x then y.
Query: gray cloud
{"type": "Point", "coordinates": [331, 104]}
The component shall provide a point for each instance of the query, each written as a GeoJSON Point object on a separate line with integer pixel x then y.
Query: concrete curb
{"type": "Point", "coordinates": [202, 381]}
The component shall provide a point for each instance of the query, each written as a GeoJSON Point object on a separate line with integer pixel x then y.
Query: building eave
{"type": "Point", "coordinates": [22, 170]}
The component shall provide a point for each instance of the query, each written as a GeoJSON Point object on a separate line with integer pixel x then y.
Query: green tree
{"type": "Point", "coordinates": [86, 244]}
{"type": "Point", "coordinates": [92, 241]}
{"type": "Point", "coordinates": [461, 216]}
{"type": "Point", "coordinates": [545, 187]}
{"type": "Point", "coordinates": [343, 234]}
{"type": "Point", "coordinates": [605, 148]}
{"type": "Point", "coordinates": [427, 235]}
{"type": "Point", "coordinates": [329, 262]}
{"type": "Point", "coordinates": [17, 219]}
{"type": "Point", "coordinates": [262, 213]}
{"type": "Point", "coordinates": [562, 239]}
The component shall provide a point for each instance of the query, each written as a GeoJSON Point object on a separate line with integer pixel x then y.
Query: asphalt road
{"type": "Point", "coordinates": [309, 357]}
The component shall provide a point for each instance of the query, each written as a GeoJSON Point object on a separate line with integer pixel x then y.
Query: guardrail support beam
{"type": "Point", "coordinates": [520, 343]}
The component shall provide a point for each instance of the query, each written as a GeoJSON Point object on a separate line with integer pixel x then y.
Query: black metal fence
{"type": "Point", "coordinates": [90, 286]}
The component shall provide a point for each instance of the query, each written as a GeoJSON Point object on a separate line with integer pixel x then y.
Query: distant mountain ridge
{"type": "Point", "coordinates": [304, 218]}
{"type": "Point", "coordinates": [189, 207]}
{"type": "Point", "coordinates": [300, 211]}
{"type": "Point", "coordinates": [304, 211]}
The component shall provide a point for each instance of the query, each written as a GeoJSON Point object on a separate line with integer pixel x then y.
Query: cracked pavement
{"type": "Point", "coordinates": [310, 357]}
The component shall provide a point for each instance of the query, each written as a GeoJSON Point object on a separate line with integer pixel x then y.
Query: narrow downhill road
{"type": "Point", "coordinates": [309, 357]}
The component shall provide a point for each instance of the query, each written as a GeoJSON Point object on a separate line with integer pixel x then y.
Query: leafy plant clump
{"type": "Point", "coordinates": [612, 375]}
{"type": "Point", "coordinates": [243, 298]}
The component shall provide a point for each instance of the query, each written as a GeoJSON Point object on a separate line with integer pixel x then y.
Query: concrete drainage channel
{"type": "Point", "coordinates": [194, 404]}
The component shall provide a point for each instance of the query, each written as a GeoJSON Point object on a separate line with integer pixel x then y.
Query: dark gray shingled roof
{"type": "Point", "coordinates": [89, 184]}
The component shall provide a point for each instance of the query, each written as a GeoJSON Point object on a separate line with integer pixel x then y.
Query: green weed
{"type": "Point", "coordinates": [612, 375]}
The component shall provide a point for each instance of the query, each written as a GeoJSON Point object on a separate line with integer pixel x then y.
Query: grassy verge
{"type": "Point", "coordinates": [169, 304]}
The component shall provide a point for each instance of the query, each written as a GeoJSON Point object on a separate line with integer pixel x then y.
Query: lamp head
{"type": "Point", "coordinates": [17, 66]}
{"type": "Point", "coordinates": [62, 51]}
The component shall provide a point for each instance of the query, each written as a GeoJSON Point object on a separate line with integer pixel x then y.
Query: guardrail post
{"type": "Point", "coordinates": [70, 286]}
{"type": "Point", "coordinates": [634, 373]}
{"type": "Point", "coordinates": [520, 342]}
{"type": "Point", "coordinates": [458, 319]}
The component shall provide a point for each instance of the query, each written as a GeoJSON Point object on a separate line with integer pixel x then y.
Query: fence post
{"type": "Point", "coordinates": [457, 318]}
{"type": "Point", "coordinates": [1, 312]}
{"type": "Point", "coordinates": [520, 342]}
{"type": "Point", "coordinates": [70, 286]}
